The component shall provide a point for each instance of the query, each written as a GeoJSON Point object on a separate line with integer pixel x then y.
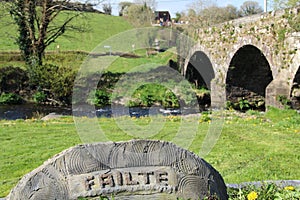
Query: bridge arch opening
{"type": "Point", "coordinates": [247, 77]}
{"type": "Point", "coordinates": [295, 92]}
{"type": "Point", "coordinates": [200, 72]}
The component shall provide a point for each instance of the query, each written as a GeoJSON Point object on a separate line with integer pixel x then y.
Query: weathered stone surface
{"type": "Point", "coordinates": [125, 170]}
{"type": "Point", "coordinates": [255, 53]}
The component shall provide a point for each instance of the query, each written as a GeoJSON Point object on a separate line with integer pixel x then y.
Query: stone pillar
{"type": "Point", "coordinates": [278, 88]}
{"type": "Point", "coordinates": [217, 94]}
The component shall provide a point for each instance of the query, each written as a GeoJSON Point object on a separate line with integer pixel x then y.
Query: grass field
{"type": "Point", "coordinates": [252, 147]}
{"type": "Point", "coordinates": [98, 27]}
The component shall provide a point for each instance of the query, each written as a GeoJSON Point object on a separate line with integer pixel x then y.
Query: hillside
{"type": "Point", "coordinates": [98, 27]}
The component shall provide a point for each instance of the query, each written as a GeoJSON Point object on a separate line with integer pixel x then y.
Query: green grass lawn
{"type": "Point", "coordinates": [98, 27]}
{"type": "Point", "coordinates": [144, 63]}
{"type": "Point", "coordinates": [74, 60]}
{"type": "Point", "coordinates": [252, 146]}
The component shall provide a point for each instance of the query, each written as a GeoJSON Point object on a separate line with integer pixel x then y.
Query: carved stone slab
{"type": "Point", "coordinates": [125, 170]}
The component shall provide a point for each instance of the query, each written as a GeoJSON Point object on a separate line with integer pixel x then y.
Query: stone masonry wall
{"type": "Point", "coordinates": [275, 34]}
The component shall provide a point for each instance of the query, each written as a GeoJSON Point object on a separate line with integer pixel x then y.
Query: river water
{"type": "Point", "coordinates": [28, 111]}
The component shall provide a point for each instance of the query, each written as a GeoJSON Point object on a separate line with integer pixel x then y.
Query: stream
{"type": "Point", "coordinates": [28, 111]}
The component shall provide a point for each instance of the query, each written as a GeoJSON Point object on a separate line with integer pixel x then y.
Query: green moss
{"type": "Point", "coordinates": [281, 33]}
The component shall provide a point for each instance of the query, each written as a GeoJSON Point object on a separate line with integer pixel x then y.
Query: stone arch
{"type": "Point", "coordinates": [266, 50]}
{"type": "Point", "coordinates": [199, 71]}
{"type": "Point", "coordinates": [198, 49]}
{"type": "Point", "coordinates": [295, 91]}
{"type": "Point", "coordinates": [248, 75]}
{"type": "Point", "coordinates": [295, 82]}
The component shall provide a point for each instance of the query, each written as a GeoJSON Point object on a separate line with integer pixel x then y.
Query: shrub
{"type": "Point", "coordinates": [285, 101]}
{"type": "Point", "coordinates": [150, 94]}
{"type": "Point", "coordinates": [244, 104]}
{"type": "Point", "coordinates": [39, 97]}
{"type": "Point", "coordinates": [10, 98]}
{"type": "Point", "coordinates": [12, 79]}
{"type": "Point", "coordinates": [57, 80]}
{"type": "Point", "coordinates": [100, 98]}
{"type": "Point", "coordinates": [62, 84]}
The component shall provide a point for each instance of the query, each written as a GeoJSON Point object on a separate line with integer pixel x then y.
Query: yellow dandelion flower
{"type": "Point", "coordinates": [252, 195]}
{"type": "Point", "coordinates": [291, 188]}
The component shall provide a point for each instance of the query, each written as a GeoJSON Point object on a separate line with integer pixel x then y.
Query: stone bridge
{"type": "Point", "coordinates": [254, 58]}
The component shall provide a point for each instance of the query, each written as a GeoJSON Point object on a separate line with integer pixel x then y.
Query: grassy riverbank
{"type": "Point", "coordinates": [252, 146]}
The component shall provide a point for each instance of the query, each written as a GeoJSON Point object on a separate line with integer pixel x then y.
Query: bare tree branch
{"type": "Point", "coordinates": [37, 24]}
{"type": "Point", "coordinates": [61, 30]}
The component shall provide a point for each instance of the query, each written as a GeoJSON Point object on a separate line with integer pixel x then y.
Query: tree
{"type": "Point", "coordinates": [123, 7]}
{"type": "Point", "coordinates": [140, 15]}
{"type": "Point", "coordinates": [250, 8]}
{"type": "Point", "coordinates": [38, 27]}
{"type": "Point", "coordinates": [148, 3]}
{"type": "Point", "coordinates": [209, 13]}
{"type": "Point", "coordinates": [191, 13]}
{"type": "Point", "coordinates": [231, 12]}
{"type": "Point", "coordinates": [200, 5]}
{"type": "Point", "coordinates": [107, 8]}
{"type": "Point", "coordinates": [178, 17]}
{"type": "Point", "coordinates": [215, 14]}
{"type": "Point", "coordinates": [280, 4]}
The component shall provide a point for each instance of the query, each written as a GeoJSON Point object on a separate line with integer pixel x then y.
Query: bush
{"type": "Point", "coordinates": [57, 81]}
{"type": "Point", "coordinates": [10, 98]}
{"type": "Point", "coordinates": [285, 101]}
{"type": "Point", "coordinates": [39, 97]}
{"type": "Point", "coordinates": [62, 84]}
{"type": "Point", "coordinates": [100, 98]}
{"type": "Point", "coordinates": [246, 104]}
{"type": "Point", "coordinates": [12, 79]}
{"type": "Point", "coordinates": [150, 94]}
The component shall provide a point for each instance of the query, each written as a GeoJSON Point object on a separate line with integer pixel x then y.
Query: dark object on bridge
{"type": "Point", "coordinates": [125, 170]}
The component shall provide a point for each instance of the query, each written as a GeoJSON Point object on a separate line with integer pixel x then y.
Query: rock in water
{"type": "Point", "coordinates": [123, 170]}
